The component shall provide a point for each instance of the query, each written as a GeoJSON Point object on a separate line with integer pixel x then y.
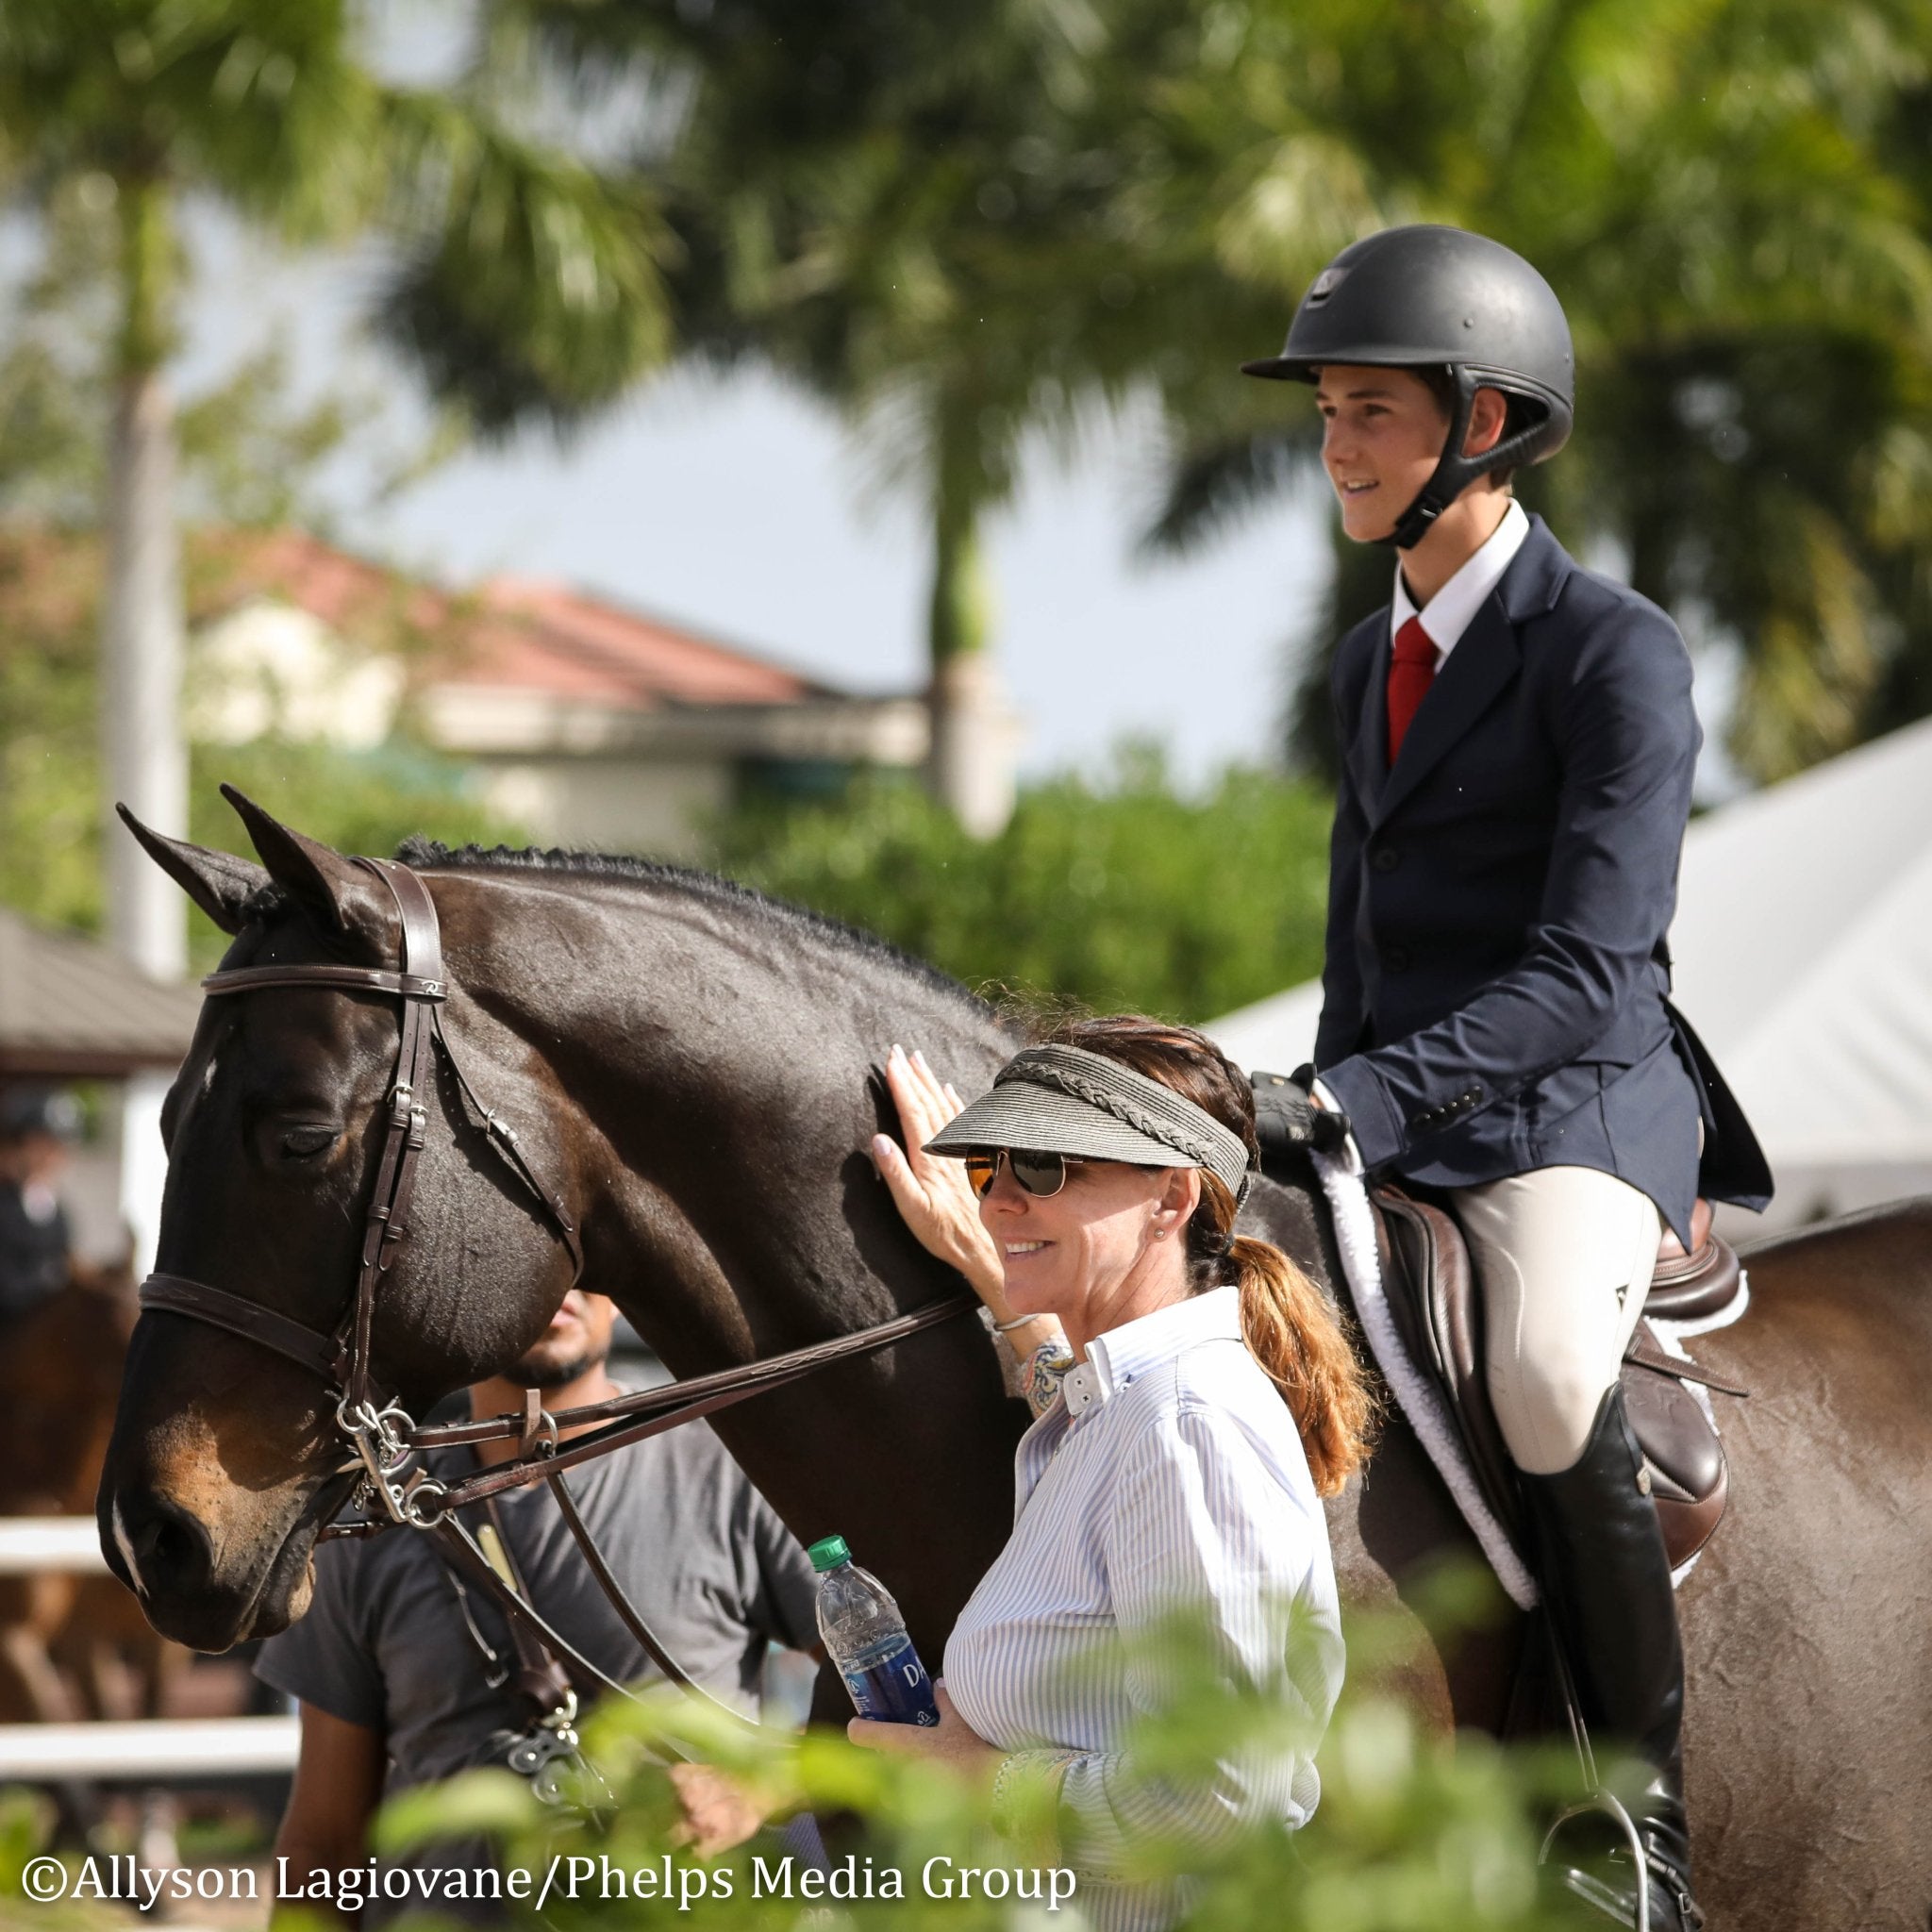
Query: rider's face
{"type": "Point", "coordinates": [1382, 435]}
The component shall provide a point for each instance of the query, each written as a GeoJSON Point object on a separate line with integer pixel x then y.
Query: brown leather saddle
{"type": "Point", "coordinates": [1432, 1293]}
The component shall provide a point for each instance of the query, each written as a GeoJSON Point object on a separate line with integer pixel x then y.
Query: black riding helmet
{"type": "Point", "coordinates": [1435, 297]}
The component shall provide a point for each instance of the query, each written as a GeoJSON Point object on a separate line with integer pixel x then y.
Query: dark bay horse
{"type": "Point", "coordinates": [697, 1069]}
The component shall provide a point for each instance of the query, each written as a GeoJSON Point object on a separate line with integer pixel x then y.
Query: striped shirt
{"type": "Point", "coordinates": [1167, 1477]}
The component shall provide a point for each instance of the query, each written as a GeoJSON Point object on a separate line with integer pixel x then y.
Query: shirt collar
{"type": "Point", "coordinates": [1453, 608]}
{"type": "Point", "coordinates": [1124, 1354]}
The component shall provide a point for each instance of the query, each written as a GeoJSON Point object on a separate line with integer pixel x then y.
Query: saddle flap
{"type": "Point", "coordinates": [1434, 1298]}
{"type": "Point", "coordinates": [1432, 1294]}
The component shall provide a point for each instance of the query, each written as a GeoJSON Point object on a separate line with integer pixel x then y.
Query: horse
{"type": "Point", "coordinates": [71, 1647]}
{"type": "Point", "coordinates": [696, 1070]}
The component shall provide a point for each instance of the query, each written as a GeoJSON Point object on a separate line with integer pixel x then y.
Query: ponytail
{"type": "Point", "coordinates": [1295, 1334]}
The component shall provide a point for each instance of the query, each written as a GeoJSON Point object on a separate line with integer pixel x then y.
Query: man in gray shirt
{"type": "Point", "coordinates": [393, 1663]}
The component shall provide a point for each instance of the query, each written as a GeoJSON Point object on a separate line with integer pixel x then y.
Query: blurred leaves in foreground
{"type": "Point", "coordinates": [1414, 1833]}
{"type": "Point", "coordinates": [1124, 893]}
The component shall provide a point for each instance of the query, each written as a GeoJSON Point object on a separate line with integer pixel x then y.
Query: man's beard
{"type": "Point", "coordinates": [529, 1375]}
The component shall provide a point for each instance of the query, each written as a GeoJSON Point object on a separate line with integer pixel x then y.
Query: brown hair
{"type": "Point", "coordinates": [1290, 1328]}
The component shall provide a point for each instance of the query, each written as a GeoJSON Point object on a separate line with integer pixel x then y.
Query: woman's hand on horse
{"type": "Point", "coordinates": [932, 1190]}
{"type": "Point", "coordinates": [952, 1741]}
{"type": "Point", "coordinates": [718, 1811]}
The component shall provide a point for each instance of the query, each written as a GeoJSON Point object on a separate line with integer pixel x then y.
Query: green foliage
{"type": "Point", "coordinates": [1414, 1833]}
{"type": "Point", "coordinates": [1123, 895]}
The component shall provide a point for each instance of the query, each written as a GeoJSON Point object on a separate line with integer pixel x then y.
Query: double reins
{"type": "Point", "coordinates": [381, 1434]}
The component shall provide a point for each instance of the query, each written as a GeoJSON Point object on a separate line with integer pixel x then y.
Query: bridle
{"type": "Point", "coordinates": [378, 1433]}
{"type": "Point", "coordinates": [377, 1430]}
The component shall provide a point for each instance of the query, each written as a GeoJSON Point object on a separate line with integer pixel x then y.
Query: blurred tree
{"type": "Point", "coordinates": [270, 107]}
{"type": "Point", "coordinates": [50, 769]}
{"type": "Point", "coordinates": [1124, 894]}
{"type": "Point", "coordinates": [1730, 196]}
{"type": "Point", "coordinates": [942, 222]}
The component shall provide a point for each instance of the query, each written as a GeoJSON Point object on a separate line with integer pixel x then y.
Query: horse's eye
{"type": "Point", "coordinates": [299, 1143]}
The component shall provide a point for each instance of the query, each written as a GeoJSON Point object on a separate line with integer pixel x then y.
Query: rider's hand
{"type": "Point", "coordinates": [930, 1189]}
{"type": "Point", "coordinates": [1289, 1114]}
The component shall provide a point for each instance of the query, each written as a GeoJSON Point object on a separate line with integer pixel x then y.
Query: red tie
{"type": "Point", "coordinates": [1412, 670]}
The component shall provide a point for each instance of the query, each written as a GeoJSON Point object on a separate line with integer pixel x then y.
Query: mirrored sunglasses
{"type": "Point", "coordinates": [1040, 1174]}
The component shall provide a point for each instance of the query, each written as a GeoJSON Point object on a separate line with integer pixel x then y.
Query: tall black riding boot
{"type": "Point", "coordinates": [1607, 1579]}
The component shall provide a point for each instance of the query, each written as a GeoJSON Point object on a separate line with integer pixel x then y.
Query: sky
{"type": "Point", "coordinates": [737, 510]}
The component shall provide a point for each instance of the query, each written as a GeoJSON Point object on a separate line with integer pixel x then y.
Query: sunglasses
{"type": "Point", "coordinates": [1040, 1174]}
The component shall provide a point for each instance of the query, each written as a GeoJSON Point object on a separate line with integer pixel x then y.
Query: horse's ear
{"type": "Point", "coordinates": [339, 896]}
{"type": "Point", "coordinates": [218, 882]}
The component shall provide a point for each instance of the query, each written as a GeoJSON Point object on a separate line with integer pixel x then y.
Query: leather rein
{"type": "Point", "coordinates": [380, 1433]}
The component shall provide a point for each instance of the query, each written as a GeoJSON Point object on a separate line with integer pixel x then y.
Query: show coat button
{"type": "Point", "coordinates": [1387, 858]}
{"type": "Point", "coordinates": [1395, 959]}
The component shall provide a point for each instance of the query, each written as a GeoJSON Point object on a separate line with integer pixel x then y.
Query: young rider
{"type": "Point", "coordinates": [1518, 744]}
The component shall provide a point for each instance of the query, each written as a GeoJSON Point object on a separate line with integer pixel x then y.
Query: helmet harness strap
{"type": "Point", "coordinates": [1453, 471]}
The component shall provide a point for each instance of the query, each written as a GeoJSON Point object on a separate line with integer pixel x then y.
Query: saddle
{"type": "Point", "coordinates": [1432, 1293]}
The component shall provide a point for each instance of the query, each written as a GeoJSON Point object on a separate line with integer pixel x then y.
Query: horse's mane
{"type": "Point", "coordinates": [781, 915]}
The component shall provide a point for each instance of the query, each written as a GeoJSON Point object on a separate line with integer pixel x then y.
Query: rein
{"type": "Point", "coordinates": [381, 1434]}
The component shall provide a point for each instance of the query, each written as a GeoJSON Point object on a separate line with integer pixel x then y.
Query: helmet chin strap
{"type": "Point", "coordinates": [1455, 472]}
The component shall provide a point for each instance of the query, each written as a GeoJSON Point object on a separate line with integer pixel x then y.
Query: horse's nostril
{"type": "Point", "coordinates": [168, 1548]}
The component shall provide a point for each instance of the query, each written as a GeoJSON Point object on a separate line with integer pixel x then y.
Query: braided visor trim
{"type": "Point", "coordinates": [1146, 1106]}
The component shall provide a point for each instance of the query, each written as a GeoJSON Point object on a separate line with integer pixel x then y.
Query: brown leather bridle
{"type": "Point", "coordinates": [380, 1433]}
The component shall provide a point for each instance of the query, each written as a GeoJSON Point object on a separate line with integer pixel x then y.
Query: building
{"type": "Point", "coordinates": [590, 724]}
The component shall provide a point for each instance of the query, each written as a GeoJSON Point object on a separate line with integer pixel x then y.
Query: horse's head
{"type": "Point", "coordinates": [226, 1456]}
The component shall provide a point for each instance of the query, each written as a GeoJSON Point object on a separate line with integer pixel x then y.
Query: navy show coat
{"type": "Point", "coordinates": [1494, 989]}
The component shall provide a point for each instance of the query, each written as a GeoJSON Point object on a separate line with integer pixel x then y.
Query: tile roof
{"type": "Point", "coordinates": [520, 632]}
{"type": "Point", "coordinates": [72, 1010]}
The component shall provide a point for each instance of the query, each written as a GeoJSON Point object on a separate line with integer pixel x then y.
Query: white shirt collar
{"type": "Point", "coordinates": [1123, 1354]}
{"type": "Point", "coordinates": [1450, 611]}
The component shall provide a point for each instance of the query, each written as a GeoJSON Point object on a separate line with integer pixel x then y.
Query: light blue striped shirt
{"type": "Point", "coordinates": [1167, 1477]}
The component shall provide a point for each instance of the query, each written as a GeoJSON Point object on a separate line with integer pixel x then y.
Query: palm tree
{"type": "Point", "coordinates": [269, 108]}
{"type": "Point", "coordinates": [956, 226]}
{"type": "Point", "coordinates": [1717, 189]}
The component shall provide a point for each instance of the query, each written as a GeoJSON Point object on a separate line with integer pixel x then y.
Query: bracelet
{"type": "Point", "coordinates": [1018, 1322]}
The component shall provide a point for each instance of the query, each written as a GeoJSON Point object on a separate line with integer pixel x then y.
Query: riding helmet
{"type": "Point", "coordinates": [1428, 296]}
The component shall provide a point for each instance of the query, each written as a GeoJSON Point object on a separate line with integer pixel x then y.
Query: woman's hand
{"type": "Point", "coordinates": [952, 1741]}
{"type": "Point", "coordinates": [930, 1189]}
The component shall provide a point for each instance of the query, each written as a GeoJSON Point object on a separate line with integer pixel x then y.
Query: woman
{"type": "Point", "coordinates": [1196, 1399]}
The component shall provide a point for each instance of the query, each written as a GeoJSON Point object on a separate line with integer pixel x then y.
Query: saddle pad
{"type": "Point", "coordinates": [1428, 1415]}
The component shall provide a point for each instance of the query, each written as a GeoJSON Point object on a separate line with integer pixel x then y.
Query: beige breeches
{"type": "Point", "coordinates": [1563, 1259]}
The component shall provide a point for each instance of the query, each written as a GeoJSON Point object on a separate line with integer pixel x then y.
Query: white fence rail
{"type": "Point", "coordinates": [151, 1748]}
{"type": "Point", "coordinates": [35, 1545]}
{"type": "Point", "coordinates": [159, 1748]}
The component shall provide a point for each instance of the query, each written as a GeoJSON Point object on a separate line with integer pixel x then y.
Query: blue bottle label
{"type": "Point", "coordinates": [893, 1688]}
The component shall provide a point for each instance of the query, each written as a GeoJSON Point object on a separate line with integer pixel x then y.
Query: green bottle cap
{"type": "Point", "coordinates": [828, 1553]}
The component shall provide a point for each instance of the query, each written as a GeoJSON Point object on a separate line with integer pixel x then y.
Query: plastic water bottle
{"type": "Point", "coordinates": [866, 1637]}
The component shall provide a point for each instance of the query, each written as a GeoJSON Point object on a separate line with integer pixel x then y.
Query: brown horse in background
{"type": "Point", "coordinates": [696, 1069]}
{"type": "Point", "coordinates": [72, 1646]}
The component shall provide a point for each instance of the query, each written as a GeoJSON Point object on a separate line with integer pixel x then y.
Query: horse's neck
{"type": "Point", "coordinates": [721, 1075]}
{"type": "Point", "coordinates": [717, 1090]}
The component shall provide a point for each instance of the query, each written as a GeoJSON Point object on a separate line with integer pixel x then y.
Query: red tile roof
{"type": "Point", "coordinates": [513, 631]}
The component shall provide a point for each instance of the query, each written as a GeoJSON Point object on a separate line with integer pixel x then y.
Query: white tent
{"type": "Point", "coordinates": [1803, 945]}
